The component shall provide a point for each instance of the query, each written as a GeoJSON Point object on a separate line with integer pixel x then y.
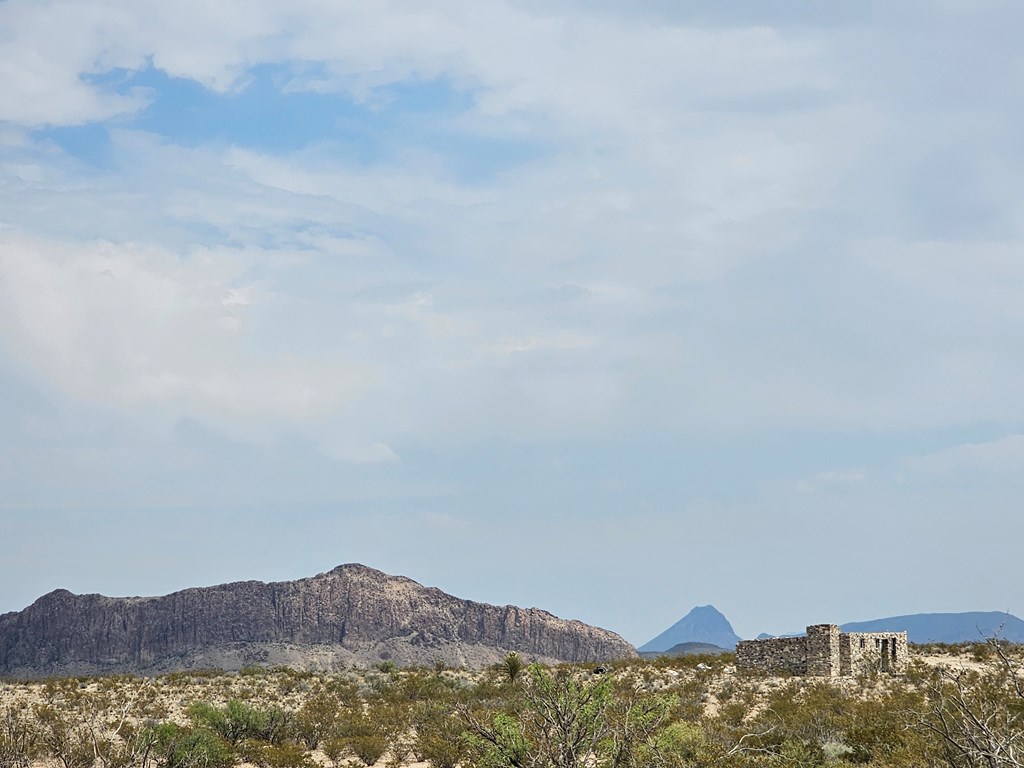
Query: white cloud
{"type": "Point", "coordinates": [137, 327]}
{"type": "Point", "coordinates": [691, 180]}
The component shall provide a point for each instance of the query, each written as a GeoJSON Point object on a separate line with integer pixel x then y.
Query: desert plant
{"type": "Point", "coordinates": [369, 729]}
{"type": "Point", "coordinates": [239, 720]}
{"type": "Point", "coordinates": [978, 717]}
{"type": "Point", "coordinates": [63, 737]}
{"type": "Point", "coordinates": [439, 735]}
{"type": "Point", "coordinates": [178, 746]}
{"type": "Point", "coordinates": [17, 738]}
{"type": "Point", "coordinates": [315, 719]}
{"type": "Point", "coordinates": [266, 755]}
{"type": "Point", "coordinates": [560, 722]}
{"type": "Point", "coordinates": [635, 718]}
{"type": "Point", "coordinates": [677, 745]}
{"type": "Point", "coordinates": [512, 667]}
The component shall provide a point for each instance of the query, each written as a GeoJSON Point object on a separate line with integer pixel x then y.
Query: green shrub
{"type": "Point", "coordinates": [371, 729]}
{"type": "Point", "coordinates": [680, 743]}
{"type": "Point", "coordinates": [238, 720]}
{"type": "Point", "coordinates": [265, 755]}
{"type": "Point", "coordinates": [315, 719]}
{"type": "Point", "coordinates": [17, 739]}
{"type": "Point", "coordinates": [439, 736]}
{"type": "Point", "coordinates": [183, 747]}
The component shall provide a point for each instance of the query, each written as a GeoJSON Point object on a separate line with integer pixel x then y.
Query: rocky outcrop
{"type": "Point", "coordinates": [351, 615]}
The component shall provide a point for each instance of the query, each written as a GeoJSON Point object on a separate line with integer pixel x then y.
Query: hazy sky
{"type": "Point", "coordinates": [606, 307]}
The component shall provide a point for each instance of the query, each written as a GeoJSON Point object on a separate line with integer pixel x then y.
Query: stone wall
{"type": "Point", "coordinates": [871, 651]}
{"type": "Point", "coordinates": [826, 652]}
{"type": "Point", "coordinates": [776, 655]}
{"type": "Point", "coordinates": [823, 650]}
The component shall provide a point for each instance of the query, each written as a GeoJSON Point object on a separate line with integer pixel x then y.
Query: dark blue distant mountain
{"type": "Point", "coordinates": [704, 624]}
{"type": "Point", "coordinates": [947, 627]}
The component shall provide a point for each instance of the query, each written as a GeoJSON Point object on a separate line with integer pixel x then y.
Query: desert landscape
{"type": "Point", "coordinates": [673, 711]}
{"type": "Point", "coordinates": [355, 668]}
{"type": "Point", "coordinates": [573, 313]}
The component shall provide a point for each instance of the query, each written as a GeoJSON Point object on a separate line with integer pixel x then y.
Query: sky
{"type": "Point", "coordinates": [604, 307]}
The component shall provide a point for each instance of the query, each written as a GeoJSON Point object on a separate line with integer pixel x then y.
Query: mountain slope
{"type": "Point", "coordinates": [703, 624]}
{"type": "Point", "coordinates": [350, 615]}
{"type": "Point", "coordinates": [947, 627]}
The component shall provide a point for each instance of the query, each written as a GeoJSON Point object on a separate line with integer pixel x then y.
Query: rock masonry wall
{"type": "Point", "coordinates": [782, 655]}
{"type": "Point", "coordinates": [826, 652]}
{"type": "Point", "coordinates": [866, 651]}
{"type": "Point", "coordinates": [823, 658]}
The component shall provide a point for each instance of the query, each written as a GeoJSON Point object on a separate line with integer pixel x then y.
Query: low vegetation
{"type": "Point", "coordinates": [963, 708]}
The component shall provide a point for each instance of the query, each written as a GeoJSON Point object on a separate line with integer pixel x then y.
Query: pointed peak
{"type": "Point", "coordinates": [704, 623]}
{"type": "Point", "coordinates": [709, 609]}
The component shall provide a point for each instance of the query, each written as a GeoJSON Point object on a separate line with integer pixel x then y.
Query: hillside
{"type": "Point", "coordinates": [350, 615]}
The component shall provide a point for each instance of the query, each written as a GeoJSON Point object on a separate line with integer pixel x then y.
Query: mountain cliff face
{"type": "Point", "coordinates": [351, 615]}
{"type": "Point", "coordinates": [703, 624]}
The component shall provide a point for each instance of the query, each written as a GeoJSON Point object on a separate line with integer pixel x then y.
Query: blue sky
{"type": "Point", "coordinates": [608, 308]}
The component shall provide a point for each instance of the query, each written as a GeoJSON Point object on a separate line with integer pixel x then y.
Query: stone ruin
{"type": "Point", "coordinates": [826, 652]}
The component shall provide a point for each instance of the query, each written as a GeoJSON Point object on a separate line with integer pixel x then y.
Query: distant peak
{"type": "Point", "coordinates": [704, 623]}
{"type": "Point", "coordinates": [355, 568]}
{"type": "Point", "coordinates": [699, 609]}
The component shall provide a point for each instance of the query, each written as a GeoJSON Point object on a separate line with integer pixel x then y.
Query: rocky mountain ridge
{"type": "Point", "coordinates": [350, 615]}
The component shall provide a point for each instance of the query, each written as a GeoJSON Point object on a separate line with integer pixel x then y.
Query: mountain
{"type": "Point", "coordinates": [947, 627]}
{"type": "Point", "coordinates": [350, 615]}
{"type": "Point", "coordinates": [703, 624]}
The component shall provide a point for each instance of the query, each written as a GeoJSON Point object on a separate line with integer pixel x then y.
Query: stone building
{"type": "Point", "coordinates": [826, 652]}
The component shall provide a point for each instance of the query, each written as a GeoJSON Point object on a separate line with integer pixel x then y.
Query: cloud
{"type": "Point", "coordinates": [693, 225]}
{"type": "Point", "coordinates": [136, 327]}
